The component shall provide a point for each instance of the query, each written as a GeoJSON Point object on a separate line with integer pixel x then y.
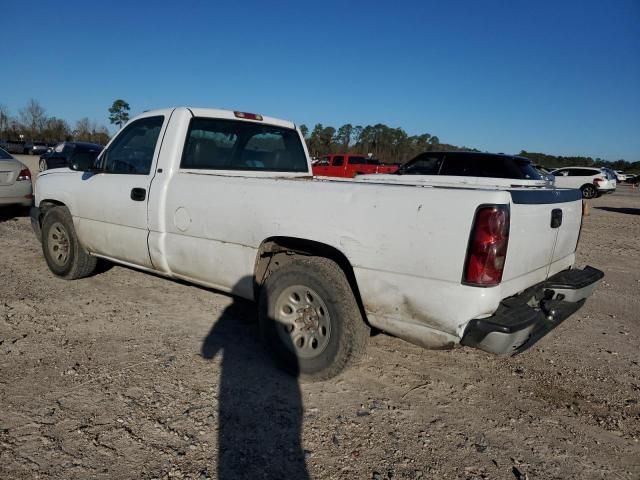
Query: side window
{"type": "Point", "coordinates": [132, 150]}
{"type": "Point", "coordinates": [424, 166]}
{"type": "Point", "coordinates": [217, 144]}
{"type": "Point", "coordinates": [357, 160]}
{"type": "Point", "coordinates": [338, 161]}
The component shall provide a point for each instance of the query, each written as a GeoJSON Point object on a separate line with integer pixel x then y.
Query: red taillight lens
{"type": "Point", "coordinates": [487, 246]}
{"type": "Point", "coordinates": [597, 181]}
{"type": "Point", "coordinates": [24, 174]}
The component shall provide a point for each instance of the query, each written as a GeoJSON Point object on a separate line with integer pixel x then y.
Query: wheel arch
{"type": "Point", "coordinates": [276, 252]}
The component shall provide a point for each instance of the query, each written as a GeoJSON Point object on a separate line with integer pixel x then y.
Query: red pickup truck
{"type": "Point", "coordinates": [348, 165]}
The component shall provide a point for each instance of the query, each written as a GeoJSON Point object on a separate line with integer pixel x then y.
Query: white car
{"type": "Point", "coordinates": [592, 182]}
{"type": "Point", "coordinates": [620, 176]}
{"type": "Point", "coordinates": [228, 200]}
{"type": "Point", "coordinates": [15, 181]}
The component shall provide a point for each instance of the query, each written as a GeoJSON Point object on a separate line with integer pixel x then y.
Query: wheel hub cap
{"type": "Point", "coordinates": [58, 244]}
{"type": "Point", "coordinates": [303, 321]}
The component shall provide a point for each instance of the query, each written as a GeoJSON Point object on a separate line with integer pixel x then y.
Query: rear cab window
{"type": "Point", "coordinates": [221, 144]}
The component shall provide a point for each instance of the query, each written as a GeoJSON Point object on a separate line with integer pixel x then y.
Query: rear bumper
{"type": "Point", "coordinates": [522, 320]}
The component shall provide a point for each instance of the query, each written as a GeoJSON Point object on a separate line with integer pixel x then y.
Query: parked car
{"type": "Point", "coordinates": [591, 181]}
{"type": "Point", "coordinates": [37, 148]}
{"type": "Point", "coordinates": [620, 176]}
{"type": "Point", "coordinates": [545, 173]}
{"type": "Point", "coordinates": [611, 175]}
{"type": "Point", "coordinates": [227, 200]}
{"type": "Point", "coordinates": [67, 152]}
{"type": "Point", "coordinates": [349, 165]}
{"type": "Point", "coordinates": [17, 146]}
{"type": "Point", "coordinates": [15, 181]}
{"type": "Point", "coordinates": [460, 167]}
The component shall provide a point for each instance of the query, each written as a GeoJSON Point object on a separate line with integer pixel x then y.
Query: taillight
{"type": "Point", "coordinates": [487, 248]}
{"type": "Point", "coordinates": [598, 181]}
{"type": "Point", "coordinates": [24, 174]}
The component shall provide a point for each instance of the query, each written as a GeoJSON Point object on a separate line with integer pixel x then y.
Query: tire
{"type": "Point", "coordinates": [331, 318]}
{"type": "Point", "coordinates": [64, 254]}
{"type": "Point", "coordinates": [43, 165]}
{"type": "Point", "coordinates": [589, 191]}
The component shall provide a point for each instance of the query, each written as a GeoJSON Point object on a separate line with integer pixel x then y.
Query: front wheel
{"type": "Point", "coordinates": [310, 319]}
{"type": "Point", "coordinates": [589, 191]}
{"type": "Point", "coordinates": [43, 165]}
{"type": "Point", "coordinates": [64, 254]}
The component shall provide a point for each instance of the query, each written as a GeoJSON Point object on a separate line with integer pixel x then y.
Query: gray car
{"type": "Point", "coordinates": [15, 181]}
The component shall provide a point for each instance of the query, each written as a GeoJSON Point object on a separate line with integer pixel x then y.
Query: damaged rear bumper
{"type": "Point", "coordinates": [522, 320]}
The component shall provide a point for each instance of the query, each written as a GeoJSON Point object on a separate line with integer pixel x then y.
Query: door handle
{"type": "Point", "coordinates": [138, 194]}
{"type": "Point", "coordinates": [556, 218]}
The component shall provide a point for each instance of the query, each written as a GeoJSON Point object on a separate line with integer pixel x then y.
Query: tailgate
{"type": "Point", "coordinates": [544, 228]}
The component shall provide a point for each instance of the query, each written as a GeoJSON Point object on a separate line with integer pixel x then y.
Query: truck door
{"type": "Point", "coordinates": [112, 213]}
{"type": "Point", "coordinates": [338, 167]}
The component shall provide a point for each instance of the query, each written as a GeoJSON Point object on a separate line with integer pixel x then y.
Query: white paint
{"type": "Point", "coordinates": [406, 243]}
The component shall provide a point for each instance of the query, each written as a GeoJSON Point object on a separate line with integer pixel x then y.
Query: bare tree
{"type": "Point", "coordinates": [4, 120]}
{"type": "Point", "coordinates": [33, 118]}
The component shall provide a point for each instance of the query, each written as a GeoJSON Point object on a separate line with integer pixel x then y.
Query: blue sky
{"type": "Point", "coordinates": [561, 77]}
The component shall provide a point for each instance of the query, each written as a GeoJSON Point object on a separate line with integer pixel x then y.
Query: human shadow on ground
{"type": "Point", "coordinates": [260, 406]}
{"type": "Point", "coordinates": [11, 212]}
{"type": "Point", "coordinates": [628, 211]}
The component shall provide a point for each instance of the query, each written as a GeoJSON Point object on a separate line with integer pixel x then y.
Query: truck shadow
{"type": "Point", "coordinates": [628, 211]}
{"type": "Point", "coordinates": [260, 407]}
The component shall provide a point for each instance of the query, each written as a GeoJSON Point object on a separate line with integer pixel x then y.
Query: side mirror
{"type": "Point", "coordinates": [83, 165]}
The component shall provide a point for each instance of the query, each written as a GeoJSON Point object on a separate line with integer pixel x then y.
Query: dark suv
{"type": "Point", "coordinates": [471, 164]}
{"type": "Point", "coordinates": [64, 154]}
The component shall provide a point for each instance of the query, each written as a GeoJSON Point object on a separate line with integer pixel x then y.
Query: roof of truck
{"type": "Point", "coordinates": [224, 114]}
{"type": "Point", "coordinates": [232, 115]}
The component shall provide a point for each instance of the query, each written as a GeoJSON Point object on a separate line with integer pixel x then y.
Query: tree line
{"type": "Point", "coordinates": [34, 125]}
{"type": "Point", "coordinates": [393, 145]}
{"type": "Point", "coordinates": [556, 161]}
{"type": "Point", "coordinates": [388, 144]}
{"type": "Point", "coordinates": [385, 143]}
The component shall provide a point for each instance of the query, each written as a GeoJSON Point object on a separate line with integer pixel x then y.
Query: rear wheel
{"type": "Point", "coordinates": [65, 256]}
{"type": "Point", "coordinates": [310, 319]}
{"type": "Point", "coordinates": [43, 165]}
{"type": "Point", "coordinates": [589, 191]}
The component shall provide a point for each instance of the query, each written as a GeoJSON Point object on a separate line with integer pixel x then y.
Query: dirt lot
{"type": "Point", "coordinates": [127, 375]}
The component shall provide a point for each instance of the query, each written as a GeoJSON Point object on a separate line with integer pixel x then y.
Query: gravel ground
{"type": "Point", "coordinates": [128, 375]}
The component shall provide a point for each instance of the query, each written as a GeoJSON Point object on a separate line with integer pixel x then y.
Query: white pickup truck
{"type": "Point", "coordinates": [226, 200]}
